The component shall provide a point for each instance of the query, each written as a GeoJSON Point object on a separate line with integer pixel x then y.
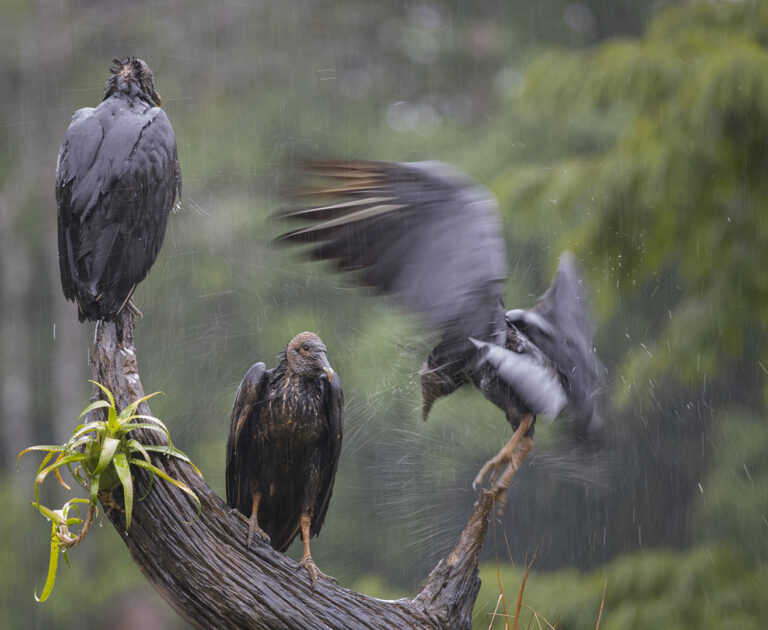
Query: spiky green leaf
{"type": "Point", "coordinates": [60, 461]}
{"type": "Point", "coordinates": [127, 413]}
{"type": "Point", "coordinates": [94, 492]}
{"type": "Point", "coordinates": [81, 430]}
{"type": "Point", "coordinates": [108, 449]}
{"type": "Point", "coordinates": [133, 446]}
{"type": "Point", "coordinates": [124, 474]}
{"type": "Point", "coordinates": [51, 448]}
{"type": "Point", "coordinates": [52, 566]}
{"type": "Point", "coordinates": [179, 484]}
{"type": "Point", "coordinates": [96, 405]}
{"type": "Point", "coordinates": [106, 392]}
{"type": "Point", "coordinates": [127, 428]}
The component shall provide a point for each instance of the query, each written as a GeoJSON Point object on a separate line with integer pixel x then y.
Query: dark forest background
{"type": "Point", "coordinates": [633, 133]}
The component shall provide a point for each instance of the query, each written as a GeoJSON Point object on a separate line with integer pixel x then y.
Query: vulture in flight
{"type": "Point", "coordinates": [283, 446]}
{"type": "Point", "coordinates": [427, 234]}
{"type": "Point", "coordinates": [116, 181]}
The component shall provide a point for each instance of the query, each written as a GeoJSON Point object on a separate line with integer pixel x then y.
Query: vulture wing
{"type": "Point", "coordinates": [116, 181]}
{"type": "Point", "coordinates": [245, 415]}
{"type": "Point", "coordinates": [423, 232]}
{"type": "Point", "coordinates": [560, 326]}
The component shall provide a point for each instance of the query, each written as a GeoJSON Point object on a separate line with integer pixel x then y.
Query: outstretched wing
{"type": "Point", "coordinates": [245, 412]}
{"type": "Point", "coordinates": [423, 232]}
{"type": "Point", "coordinates": [116, 181]}
{"type": "Point", "coordinates": [334, 412]}
{"type": "Point", "coordinates": [560, 325]}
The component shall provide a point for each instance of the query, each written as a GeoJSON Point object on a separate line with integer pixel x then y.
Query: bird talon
{"type": "Point", "coordinates": [134, 309]}
{"type": "Point", "coordinates": [492, 464]}
{"type": "Point", "coordinates": [262, 534]}
{"type": "Point", "coordinates": [314, 572]}
{"type": "Point", "coordinates": [253, 528]}
{"type": "Point", "coordinates": [479, 477]}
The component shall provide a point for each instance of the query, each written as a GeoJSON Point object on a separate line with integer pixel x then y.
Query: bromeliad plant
{"type": "Point", "coordinates": [99, 456]}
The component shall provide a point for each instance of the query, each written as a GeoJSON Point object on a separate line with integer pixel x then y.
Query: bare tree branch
{"type": "Point", "coordinates": [203, 570]}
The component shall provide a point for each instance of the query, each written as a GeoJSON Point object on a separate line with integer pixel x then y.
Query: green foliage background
{"type": "Point", "coordinates": [632, 133]}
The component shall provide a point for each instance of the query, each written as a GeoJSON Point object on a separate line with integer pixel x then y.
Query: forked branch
{"type": "Point", "coordinates": [203, 570]}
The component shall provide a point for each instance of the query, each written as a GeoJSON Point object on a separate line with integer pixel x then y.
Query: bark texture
{"type": "Point", "coordinates": [203, 570]}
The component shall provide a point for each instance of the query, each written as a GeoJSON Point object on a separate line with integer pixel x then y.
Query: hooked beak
{"type": "Point", "coordinates": [327, 369]}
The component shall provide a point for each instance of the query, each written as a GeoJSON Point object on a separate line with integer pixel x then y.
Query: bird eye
{"type": "Point", "coordinates": [305, 347]}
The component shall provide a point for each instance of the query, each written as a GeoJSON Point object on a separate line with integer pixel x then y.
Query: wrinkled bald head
{"type": "Point", "coordinates": [306, 356]}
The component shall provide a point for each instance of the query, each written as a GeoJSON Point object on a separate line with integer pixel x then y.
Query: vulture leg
{"type": "Point", "coordinates": [253, 523]}
{"type": "Point", "coordinates": [507, 454]}
{"type": "Point", "coordinates": [501, 486]}
{"type": "Point", "coordinates": [307, 562]}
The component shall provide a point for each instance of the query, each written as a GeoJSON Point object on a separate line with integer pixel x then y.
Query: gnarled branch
{"type": "Point", "coordinates": [203, 570]}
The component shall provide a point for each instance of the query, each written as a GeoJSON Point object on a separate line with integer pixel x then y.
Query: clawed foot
{"type": "Point", "coordinates": [132, 307]}
{"type": "Point", "coordinates": [256, 530]}
{"type": "Point", "coordinates": [494, 464]}
{"type": "Point", "coordinates": [253, 528]}
{"type": "Point", "coordinates": [314, 573]}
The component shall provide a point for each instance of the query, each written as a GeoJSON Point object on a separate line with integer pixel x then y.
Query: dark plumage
{"type": "Point", "coordinates": [116, 181]}
{"type": "Point", "coordinates": [284, 444]}
{"type": "Point", "coordinates": [429, 235]}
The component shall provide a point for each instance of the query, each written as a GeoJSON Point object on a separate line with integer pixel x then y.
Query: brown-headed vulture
{"type": "Point", "coordinates": [284, 444]}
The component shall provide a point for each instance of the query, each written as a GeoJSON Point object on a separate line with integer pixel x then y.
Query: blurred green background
{"type": "Point", "coordinates": [631, 132]}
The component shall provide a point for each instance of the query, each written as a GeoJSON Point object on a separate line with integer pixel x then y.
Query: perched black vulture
{"type": "Point", "coordinates": [429, 235]}
{"type": "Point", "coordinates": [116, 181]}
{"type": "Point", "coordinates": [284, 444]}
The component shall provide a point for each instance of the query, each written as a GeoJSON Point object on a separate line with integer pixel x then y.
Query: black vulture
{"type": "Point", "coordinates": [283, 446]}
{"type": "Point", "coordinates": [429, 235]}
{"type": "Point", "coordinates": [116, 181]}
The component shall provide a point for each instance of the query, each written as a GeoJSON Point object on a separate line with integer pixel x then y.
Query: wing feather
{"type": "Point", "coordinates": [245, 415]}
{"type": "Point", "coordinates": [560, 325]}
{"type": "Point", "coordinates": [422, 232]}
{"type": "Point", "coordinates": [334, 410]}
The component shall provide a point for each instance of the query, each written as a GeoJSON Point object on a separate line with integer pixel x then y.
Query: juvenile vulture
{"type": "Point", "coordinates": [429, 235]}
{"type": "Point", "coordinates": [116, 181]}
{"type": "Point", "coordinates": [283, 447]}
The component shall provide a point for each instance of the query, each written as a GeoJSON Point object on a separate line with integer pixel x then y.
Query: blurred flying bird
{"type": "Point", "coordinates": [116, 181]}
{"type": "Point", "coordinates": [284, 444]}
{"type": "Point", "coordinates": [429, 235]}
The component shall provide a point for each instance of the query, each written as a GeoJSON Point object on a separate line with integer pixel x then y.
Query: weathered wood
{"type": "Point", "coordinates": [203, 570]}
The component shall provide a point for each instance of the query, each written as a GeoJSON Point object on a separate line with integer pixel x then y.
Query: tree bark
{"type": "Point", "coordinates": [203, 570]}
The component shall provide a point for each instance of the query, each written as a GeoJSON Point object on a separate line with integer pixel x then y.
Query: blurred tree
{"type": "Point", "coordinates": [732, 504]}
{"type": "Point", "coordinates": [646, 156]}
{"type": "Point", "coordinates": [668, 193]}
